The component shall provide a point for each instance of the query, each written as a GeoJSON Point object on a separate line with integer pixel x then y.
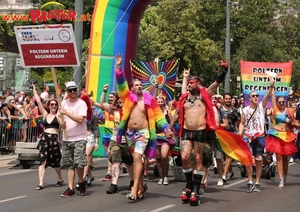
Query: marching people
{"type": "Point", "coordinates": [282, 146]}
{"type": "Point", "coordinates": [49, 150]}
{"type": "Point", "coordinates": [141, 115]}
{"type": "Point", "coordinates": [74, 111]}
{"type": "Point", "coordinates": [196, 116]}
{"type": "Point", "coordinates": [252, 127]}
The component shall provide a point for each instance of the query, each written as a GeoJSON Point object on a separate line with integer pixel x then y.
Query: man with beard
{"type": "Point", "coordinates": [196, 117]}
{"type": "Point", "coordinates": [141, 115]}
{"type": "Point", "coordinates": [74, 111]}
{"type": "Point", "coordinates": [233, 117]}
{"type": "Point", "coordinates": [117, 153]}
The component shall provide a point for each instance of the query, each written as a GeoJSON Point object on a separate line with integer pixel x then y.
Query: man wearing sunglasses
{"type": "Point", "coordinates": [141, 115]}
{"type": "Point", "coordinates": [252, 127]}
{"type": "Point", "coordinates": [74, 111]}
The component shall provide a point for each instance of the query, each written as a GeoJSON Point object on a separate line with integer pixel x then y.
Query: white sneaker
{"type": "Point", "coordinates": [291, 160]}
{"type": "Point", "coordinates": [224, 177]}
{"type": "Point", "coordinates": [160, 182]}
{"type": "Point", "coordinates": [166, 182]}
{"type": "Point", "coordinates": [220, 182]}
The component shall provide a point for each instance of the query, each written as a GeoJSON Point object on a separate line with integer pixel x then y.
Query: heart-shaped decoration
{"type": "Point", "coordinates": [159, 79]}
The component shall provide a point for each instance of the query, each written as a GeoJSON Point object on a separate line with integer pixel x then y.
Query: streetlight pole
{"type": "Point", "coordinates": [227, 46]}
{"type": "Point", "coordinates": [78, 37]}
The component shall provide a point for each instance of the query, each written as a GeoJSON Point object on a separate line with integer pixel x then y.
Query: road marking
{"type": "Point", "coordinates": [17, 172]}
{"type": "Point", "coordinates": [235, 183]}
{"type": "Point", "coordinates": [11, 199]}
{"type": "Point", "coordinates": [163, 208]}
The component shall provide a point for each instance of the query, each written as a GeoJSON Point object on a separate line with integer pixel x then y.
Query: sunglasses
{"type": "Point", "coordinates": [281, 102]}
{"type": "Point", "coordinates": [115, 93]}
{"type": "Point", "coordinates": [12, 102]}
{"type": "Point", "coordinates": [53, 104]}
{"type": "Point", "coordinates": [255, 95]}
{"type": "Point", "coordinates": [72, 90]}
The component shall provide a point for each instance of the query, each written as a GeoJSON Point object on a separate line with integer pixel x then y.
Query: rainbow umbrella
{"type": "Point", "coordinates": [234, 146]}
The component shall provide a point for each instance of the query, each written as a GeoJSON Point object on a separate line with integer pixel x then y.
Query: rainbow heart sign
{"type": "Point", "coordinates": [159, 79]}
{"type": "Point", "coordinates": [156, 73]}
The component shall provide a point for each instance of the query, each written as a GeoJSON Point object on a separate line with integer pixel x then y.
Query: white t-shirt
{"type": "Point", "coordinates": [257, 121]}
{"type": "Point", "coordinates": [75, 131]}
{"type": "Point", "coordinates": [44, 94]}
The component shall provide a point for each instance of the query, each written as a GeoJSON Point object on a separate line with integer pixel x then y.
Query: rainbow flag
{"type": "Point", "coordinates": [234, 146]}
{"type": "Point", "coordinates": [297, 93]}
{"type": "Point", "coordinates": [254, 78]}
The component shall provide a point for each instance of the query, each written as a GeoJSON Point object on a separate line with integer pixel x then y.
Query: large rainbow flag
{"type": "Point", "coordinates": [155, 73]}
{"type": "Point", "coordinates": [254, 78]}
{"type": "Point", "coordinates": [234, 146]}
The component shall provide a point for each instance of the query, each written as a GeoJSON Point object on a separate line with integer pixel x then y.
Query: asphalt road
{"type": "Point", "coordinates": [18, 193]}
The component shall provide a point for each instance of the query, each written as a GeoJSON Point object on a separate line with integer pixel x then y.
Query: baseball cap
{"type": "Point", "coordinates": [71, 84]}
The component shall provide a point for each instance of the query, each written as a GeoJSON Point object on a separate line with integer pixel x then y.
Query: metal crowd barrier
{"type": "Point", "coordinates": [19, 131]}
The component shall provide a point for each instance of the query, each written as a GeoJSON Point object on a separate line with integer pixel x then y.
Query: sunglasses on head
{"type": "Point", "coordinates": [72, 90]}
{"type": "Point", "coordinates": [255, 95]}
{"type": "Point", "coordinates": [281, 102]}
{"type": "Point", "coordinates": [115, 93]}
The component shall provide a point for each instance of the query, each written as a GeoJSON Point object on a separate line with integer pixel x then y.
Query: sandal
{"type": "Point", "coordinates": [39, 187]}
{"type": "Point", "coordinates": [59, 183]}
{"type": "Point", "coordinates": [131, 197]}
{"type": "Point", "coordinates": [140, 194]}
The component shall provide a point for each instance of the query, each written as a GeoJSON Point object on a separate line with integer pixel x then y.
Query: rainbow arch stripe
{"type": "Point", "coordinates": [115, 26]}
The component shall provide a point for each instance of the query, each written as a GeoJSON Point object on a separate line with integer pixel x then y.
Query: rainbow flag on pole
{"type": "Point", "coordinates": [234, 146]}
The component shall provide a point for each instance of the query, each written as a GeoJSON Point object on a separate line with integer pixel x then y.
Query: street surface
{"type": "Point", "coordinates": [18, 193]}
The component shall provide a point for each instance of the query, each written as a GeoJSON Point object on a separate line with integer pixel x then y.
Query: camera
{"type": "Point", "coordinates": [32, 81]}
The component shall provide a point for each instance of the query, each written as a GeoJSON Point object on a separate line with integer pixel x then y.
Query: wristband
{"type": "Point", "coordinates": [118, 66]}
{"type": "Point", "coordinates": [221, 77]}
{"type": "Point", "coordinates": [104, 91]}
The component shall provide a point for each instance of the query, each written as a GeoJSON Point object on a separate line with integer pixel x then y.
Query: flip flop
{"type": "Point", "coordinates": [39, 187]}
{"type": "Point", "coordinates": [59, 183]}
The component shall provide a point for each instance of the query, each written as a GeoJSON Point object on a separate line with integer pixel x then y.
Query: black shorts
{"type": "Point", "coordinates": [194, 135]}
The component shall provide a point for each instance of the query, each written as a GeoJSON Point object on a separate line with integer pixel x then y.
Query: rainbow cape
{"type": "Point", "coordinates": [234, 146]}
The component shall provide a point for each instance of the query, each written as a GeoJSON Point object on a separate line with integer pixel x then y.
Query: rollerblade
{"type": "Point", "coordinates": [185, 195]}
{"type": "Point", "coordinates": [194, 199]}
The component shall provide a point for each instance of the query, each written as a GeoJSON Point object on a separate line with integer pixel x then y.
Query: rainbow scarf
{"type": "Point", "coordinates": [155, 115]}
{"type": "Point", "coordinates": [283, 135]}
{"type": "Point", "coordinates": [260, 138]}
{"type": "Point", "coordinates": [234, 146]}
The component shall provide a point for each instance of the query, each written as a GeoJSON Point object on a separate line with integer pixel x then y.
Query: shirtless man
{"type": "Point", "coordinates": [141, 115]}
{"type": "Point", "coordinates": [196, 117]}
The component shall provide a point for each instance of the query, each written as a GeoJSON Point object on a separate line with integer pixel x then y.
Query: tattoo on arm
{"type": "Point", "coordinates": [212, 88]}
{"type": "Point", "coordinates": [174, 119]}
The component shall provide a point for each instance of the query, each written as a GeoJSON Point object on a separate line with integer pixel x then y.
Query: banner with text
{"type": "Point", "coordinates": [47, 45]}
{"type": "Point", "coordinates": [254, 78]}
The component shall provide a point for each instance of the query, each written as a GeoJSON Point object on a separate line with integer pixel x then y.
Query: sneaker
{"type": "Point", "coordinates": [215, 170]}
{"type": "Point", "coordinates": [77, 186]}
{"type": "Point", "coordinates": [68, 193]}
{"type": "Point", "coordinates": [160, 182]}
{"type": "Point", "coordinates": [165, 181]}
{"type": "Point", "coordinates": [249, 187]}
{"type": "Point", "coordinates": [145, 177]}
{"type": "Point", "coordinates": [231, 174]}
{"type": "Point", "coordinates": [224, 177]}
{"type": "Point", "coordinates": [89, 180]}
{"type": "Point", "coordinates": [124, 170]}
{"type": "Point", "coordinates": [220, 182]}
{"type": "Point", "coordinates": [82, 189]}
{"type": "Point", "coordinates": [112, 189]}
{"type": "Point", "coordinates": [256, 188]}
{"type": "Point", "coordinates": [130, 185]}
{"type": "Point", "coordinates": [201, 190]}
{"type": "Point", "coordinates": [291, 160]}
{"type": "Point", "coordinates": [106, 177]}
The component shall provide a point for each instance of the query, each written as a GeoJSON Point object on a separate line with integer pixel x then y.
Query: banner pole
{"type": "Point", "coordinates": [58, 97]}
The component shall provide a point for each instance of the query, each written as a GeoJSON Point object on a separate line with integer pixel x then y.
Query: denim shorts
{"type": "Point", "coordinates": [256, 149]}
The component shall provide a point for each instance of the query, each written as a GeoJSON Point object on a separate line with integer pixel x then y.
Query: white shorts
{"type": "Point", "coordinates": [90, 141]}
